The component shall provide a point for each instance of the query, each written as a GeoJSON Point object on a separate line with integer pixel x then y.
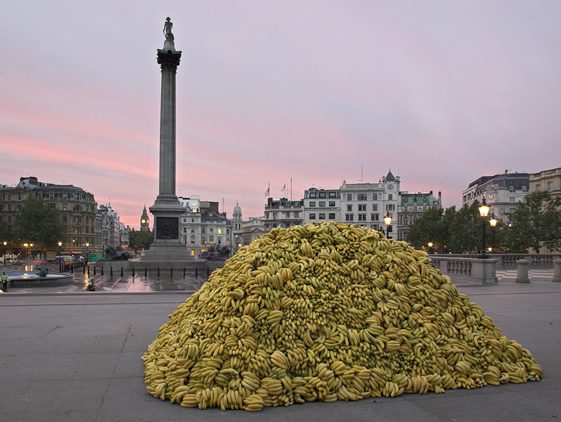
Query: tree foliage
{"type": "Point", "coordinates": [38, 223]}
{"type": "Point", "coordinates": [535, 223]}
{"type": "Point", "coordinates": [140, 239]}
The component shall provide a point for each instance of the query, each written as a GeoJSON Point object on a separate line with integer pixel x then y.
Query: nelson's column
{"type": "Point", "coordinates": [167, 210]}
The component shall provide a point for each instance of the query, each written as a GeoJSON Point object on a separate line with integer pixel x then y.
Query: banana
{"type": "Point", "coordinates": [326, 312]}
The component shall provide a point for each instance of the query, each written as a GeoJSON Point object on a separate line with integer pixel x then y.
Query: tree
{"type": "Point", "coordinates": [431, 227]}
{"type": "Point", "coordinates": [140, 239]}
{"type": "Point", "coordinates": [38, 223]}
{"type": "Point", "coordinates": [536, 222]}
{"type": "Point", "coordinates": [465, 229]}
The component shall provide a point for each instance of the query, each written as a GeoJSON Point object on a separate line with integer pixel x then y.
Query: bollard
{"type": "Point", "coordinates": [207, 272]}
{"type": "Point", "coordinates": [102, 272]}
{"type": "Point", "coordinates": [522, 271]}
{"type": "Point", "coordinates": [171, 272]}
{"type": "Point", "coordinates": [95, 270]}
{"type": "Point", "coordinates": [196, 272]}
{"type": "Point", "coordinates": [183, 272]}
{"type": "Point", "coordinates": [111, 271]}
{"type": "Point", "coordinates": [145, 272]}
{"type": "Point", "coordinates": [121, 272]}
{"type": "Point", "coordinates": [158, 272]}
{"type": "Point", "coordinates": [557, 270]}
{"type": "Point", "coordinates": [132, 272]}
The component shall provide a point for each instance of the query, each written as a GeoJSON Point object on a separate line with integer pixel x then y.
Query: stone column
{"type": "Point", "coordinates": [167, 209]}
{"type": "Point", "coordinates": [522, 271]}
{"type": "Point", "coordinates": [168, 60]}
{"type": "Point", "coordinates": [557, 270]}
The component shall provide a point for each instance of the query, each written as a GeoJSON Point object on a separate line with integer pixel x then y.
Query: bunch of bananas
{"type": "Point", "coordinates": [327, 312]}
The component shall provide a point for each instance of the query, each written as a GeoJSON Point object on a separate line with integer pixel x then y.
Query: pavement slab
{"type": "Point", "coordinates": [76, 357]}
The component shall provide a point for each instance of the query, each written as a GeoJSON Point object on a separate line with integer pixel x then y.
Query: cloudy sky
{"type": "Point", "coordinates": [441, 92]}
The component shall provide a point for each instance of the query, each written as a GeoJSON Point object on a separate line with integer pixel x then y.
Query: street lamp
{"type": "Point", "coordinates": [493, 222]}
{"type": "Point", "coordinates": [5, 244]}
{"type": "Point", "coordinates": [430, 245]}
{"type": "Point", "coordinates": [387, 222]}
{"type": "Point", "coordinates": [484, 212]}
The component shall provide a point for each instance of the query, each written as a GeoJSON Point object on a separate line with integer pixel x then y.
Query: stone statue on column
{"type": "Point", "coordinates": [169, 42]}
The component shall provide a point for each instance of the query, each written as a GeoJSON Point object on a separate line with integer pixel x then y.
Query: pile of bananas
{"type": "Point", "coordinates": [327, 312]}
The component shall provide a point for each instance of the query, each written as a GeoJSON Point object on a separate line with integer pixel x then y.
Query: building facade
{"type": "Point", "coordinates": [111, 232]}
{"type": "Point", "coordinates": [547, 180]}
{"type": "Point", "coordinates": [412, 207]}
{"type": "Point", "coordinates": [321, 205]}
{"type": "Point", "coordinates": [502, 192]}
{"type": "Point", "coordinates": [245, 232]}
{"type": "Point", "coordinates": [364, 204]}
{"type": "Point", "coordinates": [202, 226]}
{"type": "Point", "coordinates": [77, 209]}
{"type": "Point", "coordinates": [283, 213]}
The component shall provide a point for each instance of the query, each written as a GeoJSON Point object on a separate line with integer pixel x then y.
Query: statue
{"type": "Point", "coordinates": [168, 24]}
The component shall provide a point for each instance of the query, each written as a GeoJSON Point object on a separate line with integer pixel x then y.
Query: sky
{"type": "Point", "coordinates": [440, 92]}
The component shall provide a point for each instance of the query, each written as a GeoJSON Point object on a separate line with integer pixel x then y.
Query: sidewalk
{"type": "Point", "coordinates": [76, 357]}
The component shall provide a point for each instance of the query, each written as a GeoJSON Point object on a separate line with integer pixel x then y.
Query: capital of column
{"type": "Point", "coordinates": [169, 59]}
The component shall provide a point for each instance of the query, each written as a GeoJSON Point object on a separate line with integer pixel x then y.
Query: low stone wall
{"type": "Point", "coordinates": [466, 270]}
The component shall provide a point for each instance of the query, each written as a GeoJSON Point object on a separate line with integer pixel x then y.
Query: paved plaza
{"type": "Point", "coordinates": [76, 357]}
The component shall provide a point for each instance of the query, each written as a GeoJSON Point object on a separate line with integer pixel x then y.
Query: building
{"type": "Point", "coordinates": [77, 209]}
{"type": "Point", "coordinates": [322, 204]}
{"type": "Point", "coordinates": [547, 180]}
{"type": "Point", "coordinates": [109, 226]}
{"type": "Point", "coordinates": [245, 232]}
{"type": "Point", "coordinates": [283, 213]}
{"type": "Point", "coordinates": [502, 192]}
{"type": "Point", "coordinates": [144, 221]}
{"type": "Point", "coordinates": [412, 207]}
{"type": "Point", "coordinates": [364, 204]}
{"type": "Point", "coordinates": [202, 226]}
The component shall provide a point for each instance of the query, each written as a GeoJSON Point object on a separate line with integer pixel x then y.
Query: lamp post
{"type": "Point", "coordinates": [5, 244]}
{"type": "Point", "coordinates": [430, 245]}
{"type": "Point", "coordinates": [484, 212]}
{"type": "Point", "coordinates": [388, 222]}
{"type": "Point", "coordinates": [59, 243]}
{"type": "Point", "coordinates": [493, 222]}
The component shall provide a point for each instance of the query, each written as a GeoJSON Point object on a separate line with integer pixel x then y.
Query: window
{"type": "Point", "coordinates": [184, 229]}
{"type": "Point", "coordinates": [362, 207]}
{"type": "Point", "coordinates": [374, 196]}
{"type": "Point", "coordinates": [331, 203]}
{"type": "Point", "coordinates": [390, 197]}
{"type": "Point", "coordinates": [349, 217]}
{"type": "Point", "coordinates": [332, 216]}
{"type": "Point", "coordinates": [512, 199]}
{"type": "Point", "coordinates": [219, 230]}
{"type": "Point", "coordinates": [362, 217]}
{"type": "Point", "coordinates": [374, 207]}
{"type": "Point", "coordinates": [390, 207]}
{"type": "Point", "coordinates": [203, 230]}
{"type": "Point", "coordinates": [313, 216]}
{"type": "Point", "coordinates": [349, 197]}
{"type": "Point", "coordinates": [321, 216]}
{"type": "Point", "coordinates": [322, 204]}
{"type": "Point", "coordinates": [312, 204]}
{"type": "Point", "coordinates": [374, 217]}
{"type": "Point", "coordinates": [313, 195]}
{"type": "Point", "coordinates": [361, 197]}
{"type": "Point", "coordinates": [296, 214]}
{"type": "Point", "coordinates": [349, 207]}
{"type": "Point", "coordinates": [322, 194]}
{"type": "Point", "coordinates": [332, 194]}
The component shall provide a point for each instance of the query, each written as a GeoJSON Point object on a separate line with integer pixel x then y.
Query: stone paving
{"type": "Point", "coordinates": [76, 357]}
